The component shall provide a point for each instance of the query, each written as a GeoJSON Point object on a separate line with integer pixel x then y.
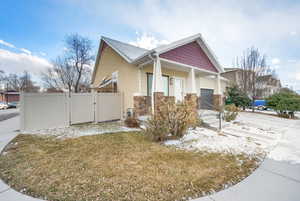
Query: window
{"type": "Point", "coordinates": [165, 79]}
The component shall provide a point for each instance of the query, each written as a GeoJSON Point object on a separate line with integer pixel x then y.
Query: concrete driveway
{"type": "Point", "coordinates": [274, 180]}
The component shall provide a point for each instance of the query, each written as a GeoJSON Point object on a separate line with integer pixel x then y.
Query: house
{"type": "Point", "coordinates": [267, 86]}
{"type": "Point", "coordinates": [9, 96]}
{"type": "Point", "coordinates": [183, 69]}
{"type": "Point", "coordinates": [234, 75]}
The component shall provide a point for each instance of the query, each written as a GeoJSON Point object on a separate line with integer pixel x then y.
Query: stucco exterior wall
{"type": "Point", "coordinates": [127, 75]}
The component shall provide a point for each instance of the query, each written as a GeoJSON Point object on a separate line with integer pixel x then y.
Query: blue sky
{"type": "Point", "coordinates": [32, 31]}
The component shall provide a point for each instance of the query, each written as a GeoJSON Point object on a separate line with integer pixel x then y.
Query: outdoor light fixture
{"type": "Point", "coordinates": [171, 80]}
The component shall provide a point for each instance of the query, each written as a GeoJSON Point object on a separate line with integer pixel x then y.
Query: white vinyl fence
{"type": "Point", "coordinates": [44, 110]}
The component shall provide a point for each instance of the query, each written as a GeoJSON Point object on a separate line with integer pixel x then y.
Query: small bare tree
{"type": "Point", "coordinates": [71, 71]}
{"type": "Point", "coordinates": [61, 76]}
{"type": "Point", "coordinates": [21, 82]}
{"type": "Point", "coordinates": [253, 66]}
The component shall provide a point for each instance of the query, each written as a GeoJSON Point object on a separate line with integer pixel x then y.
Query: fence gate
{"type": "Point", "coordinates": [108, 106]}
{"type": "Point", "coordinates": [82, 108]}
{"type": "Point", "coordinates": [44, 111]}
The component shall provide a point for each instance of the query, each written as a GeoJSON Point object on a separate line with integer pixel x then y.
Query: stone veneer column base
{"type": "Point", "coordinates": [158, 98]}
{"type": "Point", "coordinates": [142, 105]}
{"type": "Point", "coordinates": [192, 100]}
{"type": "Point", "coordinates": [217, 101]}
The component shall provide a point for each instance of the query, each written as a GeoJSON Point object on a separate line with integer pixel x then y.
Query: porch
{"type": "Point", "coordinates": [161, 79]}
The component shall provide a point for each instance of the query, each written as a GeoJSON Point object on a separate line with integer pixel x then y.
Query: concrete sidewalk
{"type": "Point", "coordinates": [8, 131]}
{"type": "Point", "coordinates": [272, 181]}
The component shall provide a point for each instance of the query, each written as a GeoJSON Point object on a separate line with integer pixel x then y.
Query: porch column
{"type": "Point", "coordinates": [157, 77]}
{"type": "Point", "coordinates": [191, 88]}
{"type": "Point", "coordinates": [219, 84]}
{"type": "Point", "coordinates": [157, 88]}
{"type": "Point", "coordinates": [217, 99]}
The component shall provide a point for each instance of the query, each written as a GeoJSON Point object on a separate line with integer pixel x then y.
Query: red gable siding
{"type": "Point", "coordinates": [190, 54]}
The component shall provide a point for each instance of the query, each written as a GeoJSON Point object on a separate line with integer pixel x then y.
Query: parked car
{"type": "Point", "coordinates": [260, 104]}
{"type": "Point", "coordinates": [13, 104]}
{"type": "Point", "coordinates": [3, 106]}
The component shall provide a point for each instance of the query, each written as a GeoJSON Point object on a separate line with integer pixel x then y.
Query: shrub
{"type": "Point", "coordinates": [230, 112]}
{"type": "Point", "coordinates": [284, 103]}
{"type": "Point", "coordinates": [156, 129]}
{"type": "Point", "coordinates": [235, 96]}
{"type": "Point", "coordinates": [132, 122]}
{"type": "Point", "coordinates": [171, 120]}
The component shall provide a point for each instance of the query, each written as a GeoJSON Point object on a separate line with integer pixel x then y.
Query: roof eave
{"type": "Point", "coordinates": [115, 49]}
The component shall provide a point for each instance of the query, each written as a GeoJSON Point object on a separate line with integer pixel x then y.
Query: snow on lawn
{"type": "Point", "coordinates": [250, 134]}
{"type": "Point", "coordinates": [208, 140]}
{"type": "Point", "coordinates": [84, 130]}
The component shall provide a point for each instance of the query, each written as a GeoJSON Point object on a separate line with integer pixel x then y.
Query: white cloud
{"type": "Point", "coordinates": [228, 26]}
{"type": "Point", "coordinates": [12, 62]}
{"type": "Point", "coordinates": [290, 74]}
{"type": "Point", "coordinates": [25, 51]}
{"type": "Point", "coordinates": [43, 54]}
{"type": "Point", "coordinates": [275, 61]}
{"type": "Point", "coordinates": [298, 76]}
{"type": "Point", "coordinates": [7, 44]}
{"type": "Point", "coordinates": [148, 41]}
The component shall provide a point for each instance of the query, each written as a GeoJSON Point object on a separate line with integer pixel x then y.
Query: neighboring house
{"type": "Point", "coordinates": [267, 86]}
{"type": "Point", "coordinates": [9, 96]}
{"type": "Point", "coordinates": [234, 75]}
{"type": "Point", "coordinates": [172, 71]}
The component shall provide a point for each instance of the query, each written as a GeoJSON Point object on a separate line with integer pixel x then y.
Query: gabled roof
{"type": "Point", "coordinates": [137, 55]}
{"type": "Point", "coordinates": [126, 50]}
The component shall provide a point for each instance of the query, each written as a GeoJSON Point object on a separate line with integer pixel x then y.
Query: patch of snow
{"type": "Point", "coordinates": [84, 130]}
{"type": "Point", "coordinates": [250, 134]}
{"type": "Point", "coordinates": [207, 140]}
{"type": "Point", "coordinates": [288, 148]}
{"type": "Point", "coordinates": [143, 118]}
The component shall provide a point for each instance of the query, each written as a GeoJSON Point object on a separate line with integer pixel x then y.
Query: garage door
{"type": "Point", "coordinates": [206, 99]}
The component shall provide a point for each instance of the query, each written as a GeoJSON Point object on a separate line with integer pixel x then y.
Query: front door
{"type": "Point", "coordinates": [178, 89]}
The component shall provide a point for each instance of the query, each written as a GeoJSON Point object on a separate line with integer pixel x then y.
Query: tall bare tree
{"type": "Point", "coordinates": [254, 66]}
{"type": "Point", "coordinates": [71, 71]}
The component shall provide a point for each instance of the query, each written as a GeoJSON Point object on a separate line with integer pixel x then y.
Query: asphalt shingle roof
{"type": "Point", "coordinates": [129, 51]}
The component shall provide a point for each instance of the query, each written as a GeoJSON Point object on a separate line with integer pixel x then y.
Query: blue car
{"type": "Point", "coordinates": [260, 104]}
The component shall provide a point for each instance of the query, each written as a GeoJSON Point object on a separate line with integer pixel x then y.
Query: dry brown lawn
{"type": "Point", "coordinates": [115, 167]}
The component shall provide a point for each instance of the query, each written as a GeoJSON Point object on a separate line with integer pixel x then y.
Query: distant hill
{"type": "Point", "coordinates": [298, 91]}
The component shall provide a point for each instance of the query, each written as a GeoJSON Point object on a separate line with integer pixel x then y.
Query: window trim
{"type": "Point", "coordinates": [152, 80]}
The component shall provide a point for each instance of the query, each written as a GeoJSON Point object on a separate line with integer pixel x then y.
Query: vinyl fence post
{"type": "Point", "coordinates": [22, 111]}
{"type": "Point", "coordinates": [220, 120]}
{"type": "Point", "coordinates": [121, 98]}
{"type": "Point", "coordinates": [69, 108]}
{"type": "Point", "coordinates": [95, 105]}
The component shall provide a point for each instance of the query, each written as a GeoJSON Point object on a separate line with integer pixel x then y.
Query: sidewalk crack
{"type": "Point", "coordinates": [278, 174]}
